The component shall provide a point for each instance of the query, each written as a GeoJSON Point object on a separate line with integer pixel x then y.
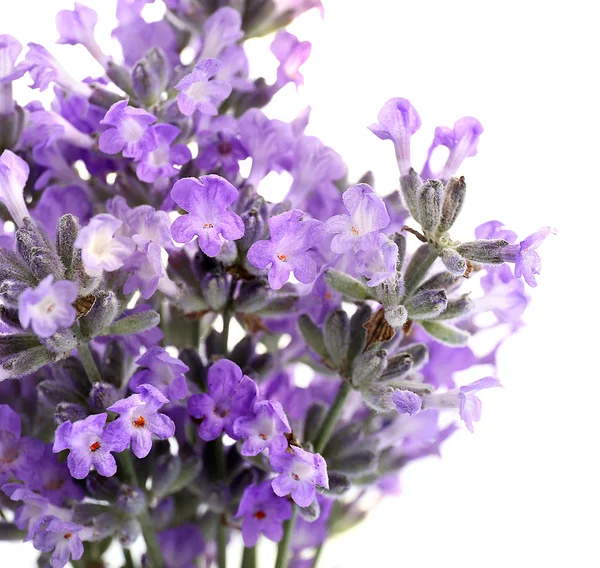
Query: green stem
{"type": "Point", "coordinates": [416, 277]}
{"type": "Point", "coordinates": [227, 314]}
{"type": "Point", "coordinates": [249, 558]}
{"type": "Point", "coordinates": [317, 555]}
{"type": "Point", "coordinates": [283, 551]}
{"type": "Point", "coordinates": [222, 544]}
{"type": "Point", "coordinates": [128, 558]}
{"type": "Point", "coordinates": [332, 416]}
{"type": "Point", "coordinates": [221, 464]}
{"type": "Point", "coordinates": [85, 354]}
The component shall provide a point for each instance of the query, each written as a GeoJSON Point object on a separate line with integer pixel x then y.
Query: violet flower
{"type": "Point", "coordinates": [262, 512]}
{"type": "Point", "coordinates": [368, 214]}
{"type": "Point", "coordinates": [90, 445]}
{"type": "Point", "coordinates": [222, 29]}
{"type": "Point", "coordinates": [62, 539]}
{"type": "Point", "coordinates": [231, 395]}
{"type": "Point", "coordinates": [10, 49]}
{"type": "Point", "coordinates": [288, 248]}
{"type": "Point", "coordinates": [162, 371]}
{"type": "Point", "coordinates": [14, 172]}
{"type": "Point", "coordinates": [48, 307]}
{"type": "Point", "coordinates": [129, 131]}
{"type": "Point", "coordinates": [220, 146]}
{"type": "Point", "coordinates": [57, 201]}
{"type": "Point", "coordinates": [495, 230]}
{"type": "Point", "coordinates": [398, 121]}
{"type": "Point", "coordinates": [406, 402]}
{"type": "Point", "coordinates": [139, 419]}
{"type": "Point", "coordinates": [207, 201]}
{"type": "Point", "coordinates": [291, 54]}
{"type": "Point", "coordinates": [299, 474]}
{"type": "Point", "coordinates": [265, 429]}
{"type": "Point", "coordinates": [376, 259]}
{"type": "Point", "coordinates": [181, 545]}
{"type": "Point", "coordinates": [147, 270]}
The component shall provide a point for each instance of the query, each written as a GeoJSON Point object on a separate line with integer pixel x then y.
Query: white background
{"type": "Point", "coordinates": [522, 491]}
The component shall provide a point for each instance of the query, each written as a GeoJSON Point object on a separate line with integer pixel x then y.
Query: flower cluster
{"type": "Point", "coordinates": [132, 252]}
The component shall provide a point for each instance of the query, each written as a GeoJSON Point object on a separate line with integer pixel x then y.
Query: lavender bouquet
{"type": "Point", "coordinates": [186, 363]}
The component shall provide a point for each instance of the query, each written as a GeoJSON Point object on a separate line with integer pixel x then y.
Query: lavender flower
{"type": "Point", "coordinates": [129, 131]}
{"type": "Point", "coordinates": [47, 308]}
{"type": "Point", "coordinates": [266, 429]}
{"type": "Point", "coordinates": [230, 396]}
{"type": "Point", "coordinates": [207, 201]}
{"type": "Point", "coordinates": [262, 512]}
{"type": "Point", "coordinates": [221, 29]}
{"type": "Point", "coordinates": [14, 172]}
{"type": "Point", "coordinates": [406, 402]}
{"type": "Point", "coordinates": [10, 49]}
{"type": "Point", "coordinates": [198, 92]}
{"type": "Point", "coordinates": [288, 248]}
{"type": "Point", "coordinates": [90, 445]}
{"type": "Point", "coordinates": [377, 258]}
{"type": "Point", "coordinates": [62, 539]}
{"type": "Point", "coordinates": [162, 371]}
{"type": "Point", "coordinates": [181, 545]}
{"type": "Point", "coordinates": [299, 474]}
{"type": "Point", "coordinates": [139, 419]}
{"type": "Point", "coordinates": [220, 146]}
{"type": "Point", "coordinates": [291, 54]}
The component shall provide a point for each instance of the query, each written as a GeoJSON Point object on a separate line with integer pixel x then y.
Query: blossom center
{"type": "Point", "coordinates": [221, 413]}
{"type": "Point", "coordinates": [260, 515]}
{"type": "Point", "coordinates": [295, 476]}
{"type": "Point", "coordinates": [139, 422]}
{"type": "Point", "coordinates": [354, 231]}
{"type": "Point", "coordinates": [68, 535]}
{"type": "Point", "coordinates": [282, 257]}
{"type": "Point", "coordinates": [208, 226]}
{"type": "Point", "coordinates": [224, 148]}
{"type": "Point", "coordinates": [262, 436]}
{"type": "Point", "coordinates": [95, 446]}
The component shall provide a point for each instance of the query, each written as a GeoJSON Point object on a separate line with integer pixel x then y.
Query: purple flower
{"type": "Point", "coordinates": [266, 141]}
{"type": "Point", "coordinates": [299, 473]}
{"type": "Point", "coordinates": [30, 515]}
{"type": "Point", "coordinates": [139, 419]}
{"type": "Point", "coordinates": [288, 248]}
{"type": "Point", "coordinates": [504, 295]}
{"type": "Point", "coordinates": [77, 27]}
{"type": "Point", "coordinates": [47, 307]}
{"type": "Point", "coordinates": [181, 545]}
{"type": "Point", "coordinates": [377, 258]}
{"type": "Point", "coordinates": [398, 121]}
{"type": "Point", "coordinates": [231, 395]}
{"type": "Point", "coordinates": [54, 481]}
{"type": "Point", "coordinates": [130, 131]}
{"type": "Point", "coordinates": [90, 445]}
{"type": "Point", "coordinates": [463, 399]}
{"type": "Point", "coordinates": [101, 250]}
{"type": "Point", "coordinates": [10, 48]}
{"type": "Point", "coordinates": [495, 230]}
{"type": "Point", "coordinates": [147, 270]}
{"type": "Point", "coordinates": [18, 456]}
{"type": "Point", "coordinates": [220, 146]}
{"type": "Point", "coordinates": [367, 214]}
{"type": "Point", "coordinates": [49, 127]}
{"type": "Point", "coordinates": [61, 537]}
{"type": "Point", "coordinates": [311, 534]}
{"type": "Point", "coordinates": [461, 141]}
{"type": "Point", "coordinates": [199, 92]}
{"type": "Point", "coordinates": [406, 402]}
{"type": "Point", "coordinates": [265, 429]}
{"type": "Point", "coordinates": [207, 201]}
{"type": "Point", "coordinates": [161, 161]}
{"type": "Point", "coordinates": [14, 172]}
{"type": "Point", "coordinates": [527, 262]}
{"type": "Point", "coordinates": [221, 29]}
{"type": "Point", "coordinates": [291, 54]}
{"type": "Point", "coordinates": [164, 372]}
{"type": "Point", "coordinates": [234, 69]}
{"type": "Point", "coordinates": [262, 512]}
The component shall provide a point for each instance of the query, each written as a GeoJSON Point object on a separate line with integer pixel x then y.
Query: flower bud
{"type": "Point", "coordinates": [358, 334]}
{"type": "Point", "coordinates": [339, 484]}
{"type": "Point", "coordinates": [120, 77]}
{"type": "Point", "coordinates": [337, 336]}
{"type": "Point", "coordinates": [215, 290]}
{"type": "Point", "coordinates": [344, 438]}
{"type": "Point", "coordinates": [131, 499]}
{"type": "Point", "coordinates": [254, 228]}
{"type": "Point", "coordinates": [442, 281]}
{"type": "Point", "coordinates": [398, 366]}
{"type": "Point", "coordinates": [102, 396]}
{"type": "Point", "coordinates": [311, 513]}
{"type": "Point", "coordinates": [455, 263]}
{"type": "Point", "coordinates": [429, 204]}
{"type": "Point", "coordinates": [419, 354]}
{"type": "Point", "coordinates": [146, 83]}
{"type": "Point", "coordinates": [486, 251]}
{"type": "Point", "coordinates": [69, 411]}
{"type": "Point", "coordinates": [11, 127]}
{"type": "Point", "coordinates": [68, 228]}
{"type": "Point", "coordinates": [101, 316]}
{"type": "Point", "coordinates": [358, 463]}
{"type": "Point", "coordinates": [426, 304]}
{"type": "Point", "coordinates": [129, 532]}
{"type": "Point", "coordinates": [457, 308]}
{"type": "Point", "coordinates": [252, 296]}
{"type": "Point", "coordinates": [312, 335]}
{"type": "Point", "coordinates": [368, 367]}
{"type": "Point", "coordinates": [24, 363]}
{"type": "Point", "coordinates": [456, 189]}
{"type": "Point", "coordinates": [409, 186]}
{"type": "Point", "coordinates": [135, 323]}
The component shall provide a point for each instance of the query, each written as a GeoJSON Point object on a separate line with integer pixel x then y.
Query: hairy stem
{"type": "Point", "coordinates": [85, 354]}
{"type": "Point", "coordinates": [331, 417]}
{"type": "Point", "coordinates": [222, 544]}
{"type": "Point", "coordinates": [283, 551]}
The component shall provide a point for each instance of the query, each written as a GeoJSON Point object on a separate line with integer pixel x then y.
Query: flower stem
{"type": "Point", "coordinates": [284, 546]}
{"type": "Point", "coordinates": [222, 544]}
{"type": "Point", "coordinates": [128, 558]}
{"type": "Point", "coordinates": [415, 278]}
{"type": "Point", "coordinates": [249, 558]}
{"type": "Point", "coordinates": [85, 354]}
{"type": "Point", "coordinates": [332, 416]}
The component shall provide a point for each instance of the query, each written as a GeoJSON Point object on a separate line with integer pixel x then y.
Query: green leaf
{"type": "Point", "coordinates": [446, 333]}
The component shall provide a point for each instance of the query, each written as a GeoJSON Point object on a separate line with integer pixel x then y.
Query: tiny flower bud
{"type": "Point", "coordinates": [429, 204]}
{"type": "Point", "coordinates": [457, 308]}
{"type": "Point", "coordinates": [215, 290]}
{"type": "Point", "coordinates": [368, 367]}
{"type": "Point", "coordinates": [69, 412]}
{"type": "Point", "coordinates": [135, 323]}
{"type": "Point", "coordinates": [486, 251]}
{"type": "Point", "coordinates": [102, 314]}
{"type": "Point", "coordinates": [145, 83]}
{"type": "Point", "coordinates": [337, 336]}
{"type": "Point", "coordinates": [456, 189]}
{"type": "Point", "coordinates": [426, 304]}
{"type": "Point", "coordinates": [102, 396]}
{"type": "Point", "coordinates": [312, 335]}
{"type": "Point", "coordinates": [455, 263]}
{"type": "Point", "coordinates": [409, 185]}
{"type": "Point", "coordinates": [131, 500]}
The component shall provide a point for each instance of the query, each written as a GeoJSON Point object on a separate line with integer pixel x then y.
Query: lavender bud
{"type": "Point", "coordinates": [400, 241]}
{"type": "Point", "coordinates": [344, 438]}
{"type": "Point", "coordinates": [14, 343]}
{"type": "Point", "coordinates": [442, 281]}
{"type": "Point", "coordinates": [69, 412]}
{"type": "Point", "coordinates": [159, 64]}
{"type": "Point", "coordinates": [228, 254]}
{"type": "Point", "coordinates": [145, 83]}
{"type": "Point", "coordinates": [167, 469]}
{"type": "Point", "coordinates": [60, 344]}
{"type": "Point", "coordinates": [24, 363]}
{"type": "Point", "coordinates": [102, 488]}
{"type": "Point", "coordinates": [486, 251]}
{"type": "Point", "coordinates": [426, 304]}
{"type": "Point", "coordinates": [409, 186]}
{"type": "Point", "coordinates": [254, 228]}
{"type": "Point", "coordinates": [355, 464]}
{"type": "Point", "coordinates": [311, 513]}
{"type": "Point", "coordinates": [368, 367]}
{"type": "Point", "coordinates": [398, 366]}
{"type": "Point", "coordinates": [346, 285]}
{"type": "Point", "coordinates": [103, 313]}
{"type": "Point", "coordinates": [358, 335]}
{"type": "Point", "coordinates": [396, 316]}
{"type": "Point", "coordinates": [252, 296]}
{"type": "Point", "coordinates": [339, 484]}
{"type": "Point", "coordinates": [312, 335]}
{"type": "Point", "coordinates": [120, 77]}
{"type": "Point", "coordinates": [10, 316]}
{"type": "Point", "coordinates": [280, 304]}
{"type": "Point", "coordinates": [129, 532]}
{"type": "Point", "coordinates": [54, 392]}
{"type": "Point", "coordinates": [429, 204]}
{"type": "Point", "coordinates": [13, 268]}
{"type": "Point", "coordinates": [40, 257]}
{"type": "Point", "coordinates": [68, 228]}
{"type": "Point", "coordinates": [10, 290]}
{"type": "Point", "coordinates": [455, 263]}
{"type": "Point", "coordinates": [314, 418]}
{"type": "Point", "coordinates": [215, 290]}
{"type": "Point", "coordinates": [446, 333]}
{"type": "Point", "coordinates": [456, 189]}
{"type": "Point", "coordinates": [457, 308]}
{"type": "Point", "coordinates": [243, 351]}
{"type": "Point", "coordinates": [102, 396]}
{"type": "Point", "coordinates": [337, 336]}
{"type": "Point", "coordinates": [135, 323]}
{"type": "Point", "coordinates": [418, 353]}
{"type": "Point", "coordinates": [131, 500]}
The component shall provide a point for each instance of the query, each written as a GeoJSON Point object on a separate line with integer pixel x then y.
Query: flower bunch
{"type": "Point", "coordinates": [183, 360]}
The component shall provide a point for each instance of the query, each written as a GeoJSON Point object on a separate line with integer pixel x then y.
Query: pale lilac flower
{"type": "Point", "coordinates": [463, 399]}
{"type": "Point", "coordinates": [57, 201]}
{"type": "Point", "coordinates": [199, 92]}
{"type": "Point", "coordinates": [495, 230]}
{"type": "Point", "coordinates": [265, 429]}
{"type": "Point", "coordinates": [234, 69]}
{"type": "Point", "coordinates": [207, 201]}
{"type": "Point", "coordinates": [291, 54]}
{"type": "Point", "coordinates": [139, 419]}
{"type": "Point", "coordinates": [461, 141]}
{"type": "Point", "coordinates": [299, 474]}
{"type": "Point", "coordinates": [90, 445]}
{"type": "Point", "coordinates": [288, 248]}
{"type": "Point", "coordinates": [146, 267]}
{"type": "Point", "coordinates": [61, 538]}
{"type": "Point", "coordinates": [161, 162]}
{"type": "Point", "coordinates": [220, 147]}
{"type": "Point", "coordinates": [406, 402]}
{"type": "Point", "coordinates": [398, 121]}
{"type": "Point", "coordinates": [48, 308]}
{"type": "Point", "coordinates": [262, 512]}
{"type": "Point", "coordinates": [47, 128]}
{"type": "Point", "coordinates": [10, 49]}
{"type": "Point", "coordinates": [231, 395]}
{"type": "Point", "coordinates": [368, 214]}
{"type": "Point", "coordinates": [14, 172]}
{"type": "Point", "coordinates": [221, 29]}
{"type": "Point", "coordinates": [101, 250]}
{"type": "Point", "coordinates": [164, 372]}
{"type": "Point", "coordinates": [376, 258]}
{"type": "Point", "coordinates": [504, 295]}
{"type": "Point", "coordinates": [181, 545]}
{"type": "Point", "coordinates": [129, 131]}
